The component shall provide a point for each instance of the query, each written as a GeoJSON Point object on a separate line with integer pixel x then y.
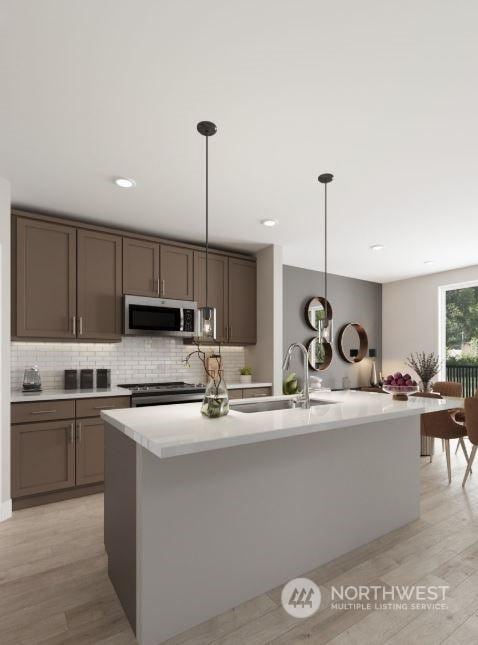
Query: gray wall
{"type": "Point", "coordinates": [351, 300]}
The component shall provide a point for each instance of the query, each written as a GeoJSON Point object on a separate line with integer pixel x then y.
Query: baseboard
{"type": "Point", "coordinates": [5, 510]}
{"type": "Point", "coordinates": [56, 496]}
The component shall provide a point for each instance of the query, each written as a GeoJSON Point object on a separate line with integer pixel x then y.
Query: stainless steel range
{"type": "Point", "coordinates": [145, 394]}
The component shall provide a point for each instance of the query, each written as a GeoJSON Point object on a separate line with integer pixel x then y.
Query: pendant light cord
{"type": "Point", "coordinates": [207, 216]}
{"type": "Point", "coordinates": [325, 261]}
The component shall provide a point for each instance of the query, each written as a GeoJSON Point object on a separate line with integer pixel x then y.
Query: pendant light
{"type": "Point", "coordinates": [325, 179]}
{"type": "Point", "coordinates": [206, 316]}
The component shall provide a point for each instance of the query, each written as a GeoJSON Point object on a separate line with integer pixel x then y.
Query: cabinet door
{"type": "Point", "coordinates": [90, 451]}
{"type": "Point", "coordinates": [45, 280]}
{"type": "Point", "coordinates": [176, 272]}
{"type": "Point", "coordinates": [140, 267]}
{"type": "Point", "coordinates": [242, 301]}
{"type": "Point", "coordinates": [99, 285]}
{"type": "Point", "coordinates": [217, 288]}
{"type": "Point", "coordinates": [43, 457]}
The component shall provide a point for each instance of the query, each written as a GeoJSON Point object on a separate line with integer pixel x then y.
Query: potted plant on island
{"type": "Point", "coordinates": [426, 366]}
{"type": "Point", "coordinates": [216, 399]}
{"type": "Point", "coordinates": [245, 374]}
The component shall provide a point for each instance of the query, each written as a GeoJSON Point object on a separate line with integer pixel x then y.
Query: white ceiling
{"type": "Point", "coordinates": [382, 94]}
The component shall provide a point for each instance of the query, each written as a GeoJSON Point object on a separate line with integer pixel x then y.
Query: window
{"type": "Point", "coordinates": [459, 344]}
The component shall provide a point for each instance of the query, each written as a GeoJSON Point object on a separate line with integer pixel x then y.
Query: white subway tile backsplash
{"type": "Point", "coordinates": [134, 359]}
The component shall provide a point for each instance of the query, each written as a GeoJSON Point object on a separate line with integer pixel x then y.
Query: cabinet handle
{"type": "Point", "coordinates": [78, 432]}
{"type": "Point", "coordinates": [230, 332]}
{"type": "Point", "coordinates": [73, 320]}
{"type": "Point", "coordinates": [163, 286]}
{"type": "Point", "coordinates": [42, 411]}
{"type": "Point", "coordinates": [81, 325]}
{"type": "Point", "coordinates": [72, 433]}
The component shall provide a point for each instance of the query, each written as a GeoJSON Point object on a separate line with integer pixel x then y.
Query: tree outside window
{"type": "Point", "coordinates": [462, 326]}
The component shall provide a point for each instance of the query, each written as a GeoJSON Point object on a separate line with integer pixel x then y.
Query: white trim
{"type": "Point", "coordinates": [5, 510]}
{"type": "Point", "coordinates": [442, 290]}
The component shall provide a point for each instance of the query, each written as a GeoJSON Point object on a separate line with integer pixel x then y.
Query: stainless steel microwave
{"type": "Point", "coordinates": [159, 317]}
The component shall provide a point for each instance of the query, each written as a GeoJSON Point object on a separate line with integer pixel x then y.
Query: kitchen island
{"type": "Point", "coordinates": [203, 514]}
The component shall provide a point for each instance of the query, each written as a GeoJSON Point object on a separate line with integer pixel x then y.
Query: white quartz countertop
{"type": "Point", "coordinates": [173, 430]}
{"type": "Point", "coordinates": [17, 396]}
{"type": "Point", "coordinates": [54, 395]}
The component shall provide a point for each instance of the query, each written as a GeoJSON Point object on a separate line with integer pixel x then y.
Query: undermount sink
{"type": "Point", "coordinates": [267, 406]}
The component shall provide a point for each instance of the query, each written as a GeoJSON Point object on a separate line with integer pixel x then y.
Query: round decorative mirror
{"type": "Point", "coordinates": [353, 343]}
{"type": "Point", "coordinates": [320, 354]}
{"type": "Point", "coordinates": [315, 312]}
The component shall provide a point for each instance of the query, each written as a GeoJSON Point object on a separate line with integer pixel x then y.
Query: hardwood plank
{"type": "Point", "coordinates": [54, 587]}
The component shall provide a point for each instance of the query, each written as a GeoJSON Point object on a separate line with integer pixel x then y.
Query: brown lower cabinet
{"type": "Point", "coordinates": [43, 457]}
{"type": "Point", "coordinates": [90, 451]}
{"type": "Point", "coordinates": [53, 457]}
{"type": "Point", "coordinates": [249, 392]}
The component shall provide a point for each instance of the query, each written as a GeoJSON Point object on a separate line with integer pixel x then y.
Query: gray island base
{"type": "Point", "coordinates": [191, 536]}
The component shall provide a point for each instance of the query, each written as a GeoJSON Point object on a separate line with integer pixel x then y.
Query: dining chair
{"type": "Point", "coordinates": [448, 388]}
{"type": "Point", "coordinates": [441, 425]}
{"type": "Point", "coordinates": [471, 414]}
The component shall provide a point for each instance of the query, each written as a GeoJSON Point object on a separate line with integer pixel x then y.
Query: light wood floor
{"type": "Point", "coordinates": [54, 588]}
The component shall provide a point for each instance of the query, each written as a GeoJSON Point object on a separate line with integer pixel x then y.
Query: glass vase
{"type": "Point", "coordinates": [425, 386]}
{"type": "Point", "coordinates": [215, 403]}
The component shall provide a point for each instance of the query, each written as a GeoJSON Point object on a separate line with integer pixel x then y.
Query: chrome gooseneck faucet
{"type": "Point", "coordinates": [304, 399]}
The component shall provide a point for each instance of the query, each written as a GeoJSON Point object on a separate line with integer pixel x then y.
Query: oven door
{"type": "Point", "coordinates": [147, 400]}
{"type": "Point", "coordinates": [155, 316]}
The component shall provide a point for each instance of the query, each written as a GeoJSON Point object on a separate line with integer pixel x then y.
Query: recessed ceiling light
{"type": "Point", "coordinates": [377, 247]}
{"type": "Point", "coordinates": [269, 222]}
{"type": "Point", "coordinates": [125, 182]}
{"type": "Point", "coordinates": [428, 262]}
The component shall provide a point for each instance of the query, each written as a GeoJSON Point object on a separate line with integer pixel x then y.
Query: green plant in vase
{"type": "Point", "coordinates": [215, 403]}
{"type": "Point", "coordinates": [426, 366]}
{"type": "Point", "coordinates": [291, 384]}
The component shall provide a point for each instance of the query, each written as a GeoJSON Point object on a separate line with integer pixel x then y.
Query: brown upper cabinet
{"type": "Point", "coordinates": [140, 267]}
{"type": "Point", "coordinates": [157, 270]}
{"type": "Point", "coordinates": [242, 301]}
{"type": "Point", "coordinates": [67, 282]}
{"type": "Point", "coordinates": [176, 272]}
{"type": "Point", "coordinates": [45, 276]}
{"type": "Point", "coordinates": [99, 285]}
{"type": "Point", "coordinates": [69, 278]}
{"type": "Point", "coordinates": [217, 288]}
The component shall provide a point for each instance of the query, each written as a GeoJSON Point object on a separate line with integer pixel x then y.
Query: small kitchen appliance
{"type": "Point", "coordinates": [31, 379]}
{"type": "Point", "coordinates": [71, 379]}
{"type": "Point", "coordinates": [159, 317]}
{"type": "Point", "coordinates": [103, 378]}
{"type": "Point", "coordinates": [86, 379]}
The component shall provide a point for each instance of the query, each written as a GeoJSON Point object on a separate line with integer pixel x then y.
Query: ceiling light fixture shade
{"type": "Point", "coordinates": [125, 182]}
{"type": "Point", "coordinates": [376, 247]}
{"type": "Point", "coordinates": [326, 328]}
{"type": "Point", "coordinates": [269, 222]}
{"type": "Point", "coordinates": [206, 315]}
